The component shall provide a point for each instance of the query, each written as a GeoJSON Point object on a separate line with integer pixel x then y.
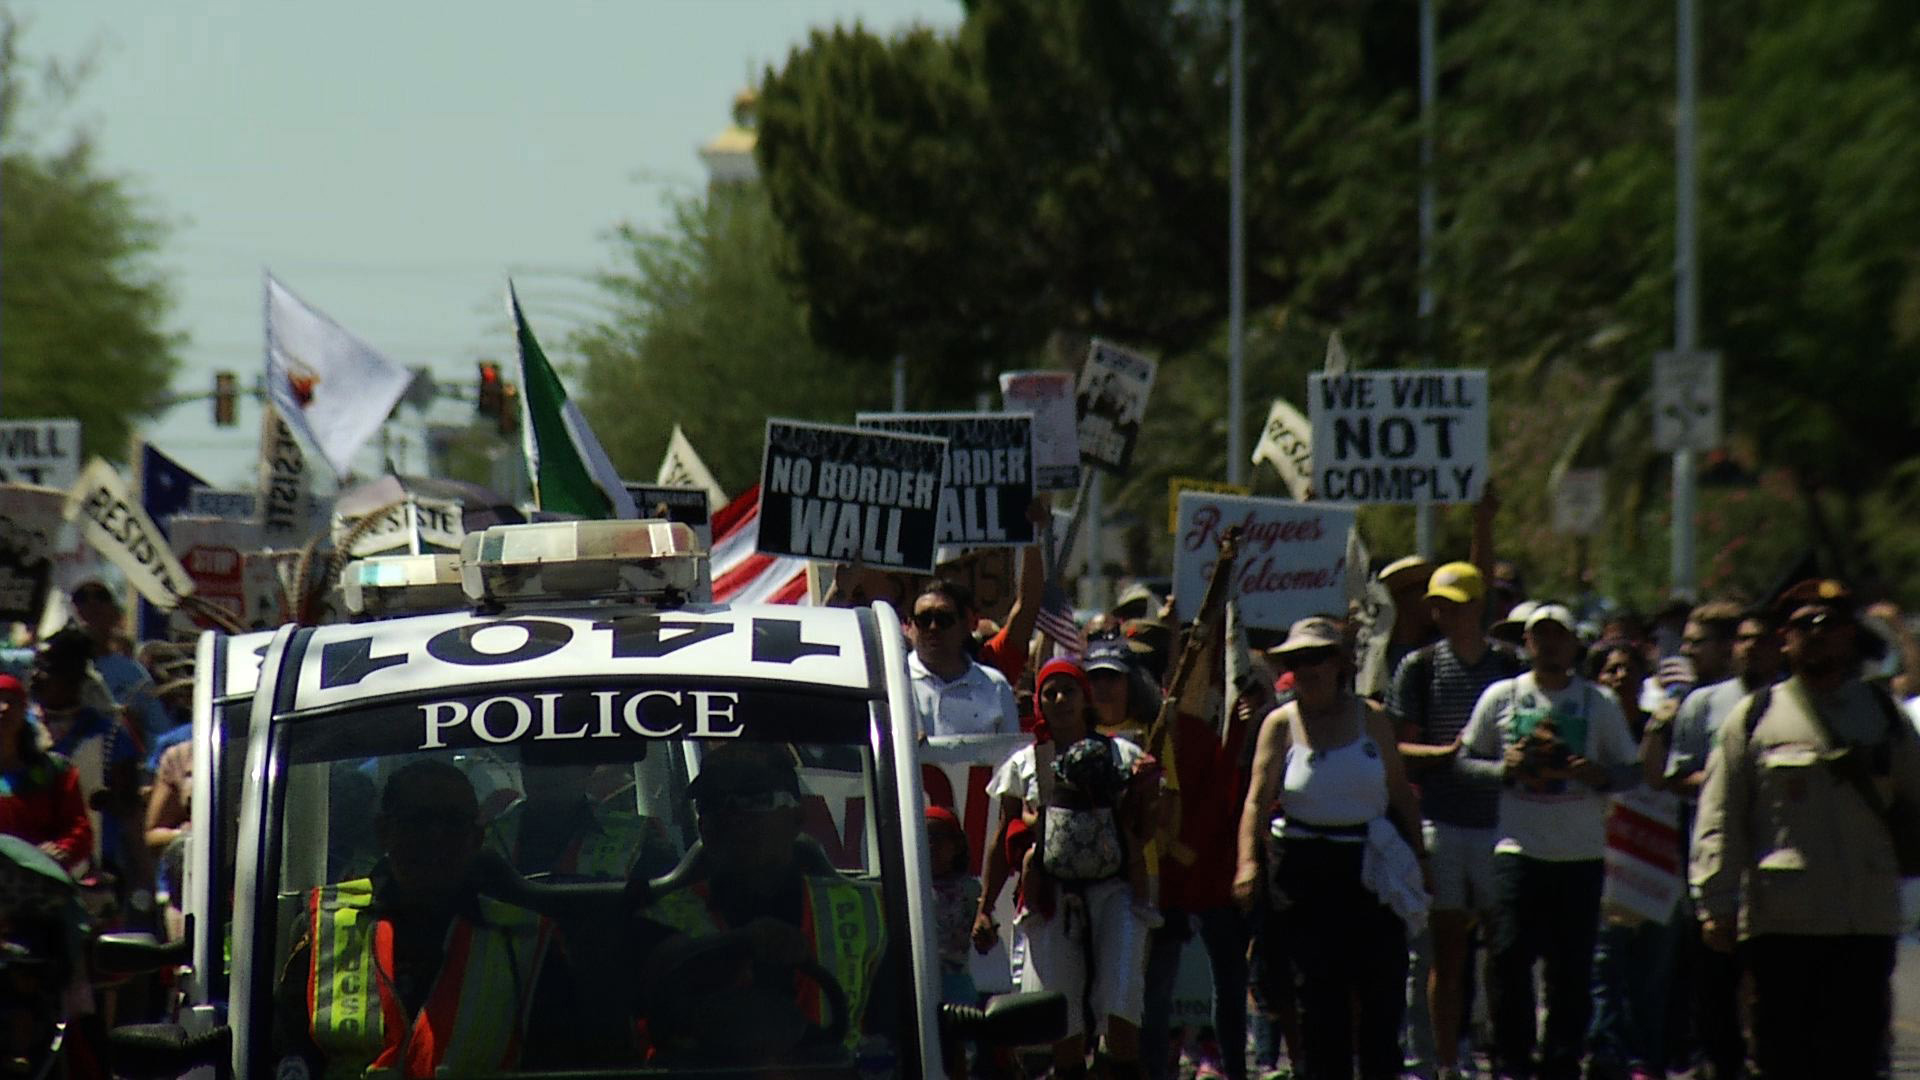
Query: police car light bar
{"type": "Point", "coordinates": [402, 585]}
{"type": "Point", "coordinates": [582, 560]}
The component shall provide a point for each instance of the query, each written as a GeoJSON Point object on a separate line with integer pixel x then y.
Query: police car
{"type": "Point", "coordinates": [588, 823]}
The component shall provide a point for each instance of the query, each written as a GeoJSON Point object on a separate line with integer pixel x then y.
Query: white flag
{"type": "Point", "coordinates": [682, 467]}
{"type": "Point", "coordinates": [1336, 362]}
{"type": "Point", "coordinates": [113, 522]}
{"type": "Point", "coordinates": [330, 386]}
{"type": "Point", "coordinates": [1287, 444]}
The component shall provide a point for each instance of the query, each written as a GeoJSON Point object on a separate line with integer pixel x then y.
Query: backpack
{"type": "Point", "coordinates": [1081, 839]}
{"type": "Point", "coordinates": [1420, 667]}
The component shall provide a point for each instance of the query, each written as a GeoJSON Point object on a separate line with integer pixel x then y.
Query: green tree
{"type": "Point", "coordinates": [708, 335]}
{"type": "Point", "coordinates": [82, 307]}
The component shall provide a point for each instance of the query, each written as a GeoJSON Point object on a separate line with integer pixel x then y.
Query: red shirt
{"type": "Point", "coordinates": [1213, 787]}
{"type": "Point", "coordinates": [42, 804]}
{"type": "Point", "coordinates": [1009, 657]}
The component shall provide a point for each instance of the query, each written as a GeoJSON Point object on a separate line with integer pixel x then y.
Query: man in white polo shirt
{"type": "Point", "coordinates": [952, 694]}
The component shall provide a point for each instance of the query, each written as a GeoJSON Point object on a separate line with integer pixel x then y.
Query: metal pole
{"type": "Point", "coordinates": [1686, 285]}
{"type": "Point", "coordinates": [1237, 246]}
{"type": "Point", "coordinates": [1429, 94]}
{"type": "Point", "coordinates": [899, 382]}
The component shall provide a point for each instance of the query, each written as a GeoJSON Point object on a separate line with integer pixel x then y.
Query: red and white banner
{"type": "Point", "coordinates": [741, 575]}
{"type": "Point", "coordinates": [1644, 874]}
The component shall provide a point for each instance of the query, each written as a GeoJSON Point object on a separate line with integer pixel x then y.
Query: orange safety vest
{"type": "Point", "coordinates": [841, 919]}
{"type": "Point", "coordinates": [474, 1015]}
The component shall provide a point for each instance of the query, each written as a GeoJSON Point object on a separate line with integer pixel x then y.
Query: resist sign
{"type": "Point", "coordinates": [850, 494]}
{"type": "Point", "coordinates": [1399, 436]}
{"type": "Point", "coordinates": [1293, 556]}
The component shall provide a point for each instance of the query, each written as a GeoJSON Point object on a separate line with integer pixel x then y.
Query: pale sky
{"type": "Point", "coordinates": [393, 162]}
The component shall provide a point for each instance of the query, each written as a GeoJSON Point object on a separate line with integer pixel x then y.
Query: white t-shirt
{"type": "Point", "coordinates": [1019, 777]}
{"type": "Point", "coordinates": [1568, 821]}
{"type": "Point", "coordinates": [979, 702]}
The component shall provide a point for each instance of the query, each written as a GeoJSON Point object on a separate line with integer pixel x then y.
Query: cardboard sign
{"type": "Point", "coordinates": [112, 521]}
{"type": "Point", "coordinates": [29, 532]}
{"type": "Point", "coordinates": [283, 483]}
{"type": "Point", "coordinates": [1286, 443]}
{"type": "Point", "coordinates": [1293, 557]}
{"type": "Point", "coordinates": [1644, 874]}
{"type": "Point", "coordinates": [687, 505]}
{"type": "Point", "coordinates": [1399, 436]}
{"type": "Point", "coordinates": [234, 505]}
{"type": "Point", "coordinates": [42, 452]}
{"type": "Point", "coordinates": [987, 484]}
{"type": "Point", "coordinates": [989, 573]}
{"type": "Point", "coordinates": [213, 551]}
{"type": "Point", "coordinates": [850, 494]}
{"type": "Point", "coordinates": [1178, 484]}
{"type": "Point", "coordinates": [1048, 396]}
{"type": "Point", "coordinates": [418, 525]}
{"type": "Point", "coordinates": [1110, 402]}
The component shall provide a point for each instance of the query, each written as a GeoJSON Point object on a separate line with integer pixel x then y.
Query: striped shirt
{"type": "Point", "coordinates": [1433, 693]}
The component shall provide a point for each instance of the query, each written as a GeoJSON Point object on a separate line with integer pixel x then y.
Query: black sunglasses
{"type": "Point", "coordinates": [934, 620]}
{"type": "Point", "coordinates": [1306, 658]}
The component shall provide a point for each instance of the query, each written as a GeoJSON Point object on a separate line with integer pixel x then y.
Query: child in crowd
{"type": "Point", "coordinates": [956, 896]}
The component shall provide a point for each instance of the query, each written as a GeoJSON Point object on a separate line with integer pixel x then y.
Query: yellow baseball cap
{"type": "Point", "coordinates": [1459, 582]}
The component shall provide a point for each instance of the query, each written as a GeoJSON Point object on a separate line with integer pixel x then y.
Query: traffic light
{"type": "Point", "coordinates": [491, 395]}
{"type": "Point", "coordinates": [226, 393]}
{"type": "Point", "coordinates": [509, 409]}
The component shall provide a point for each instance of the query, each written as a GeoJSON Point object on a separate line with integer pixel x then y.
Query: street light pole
{"type": "Point", "coordinates": [1429, 95]}
{"type": "Point", "coordinates": [1237, 244]}
{"type": "Point", "coordinates": [1686, 284]}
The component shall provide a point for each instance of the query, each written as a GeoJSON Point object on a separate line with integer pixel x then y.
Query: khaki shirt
{"type": "Point", "coordinates": [1784, 841]}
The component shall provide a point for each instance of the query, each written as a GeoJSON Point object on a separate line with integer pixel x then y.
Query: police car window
{"type": "Point", "coordinates": [406, 834]}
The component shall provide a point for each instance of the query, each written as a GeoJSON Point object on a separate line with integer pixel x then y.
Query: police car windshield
{"type": "Point", "coordinates": [647, 880]}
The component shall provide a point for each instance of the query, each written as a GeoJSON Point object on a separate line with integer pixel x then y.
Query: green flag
{"type": "Point", "coordinates": [570, 473]}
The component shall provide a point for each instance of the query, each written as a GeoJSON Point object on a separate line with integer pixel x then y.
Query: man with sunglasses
{"type": "Point", "coordinates": [1793, 849]}
{"type": "Point", "coordinates": [953, 694]}
{"type": "Point", "coordinates": [363, 991]}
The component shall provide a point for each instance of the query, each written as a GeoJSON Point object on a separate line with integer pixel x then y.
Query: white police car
{"type": "Point", "coordinates": [587, 824]}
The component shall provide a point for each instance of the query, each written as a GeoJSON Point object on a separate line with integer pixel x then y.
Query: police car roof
{"type": "Point", "coordinates": [823, 648]}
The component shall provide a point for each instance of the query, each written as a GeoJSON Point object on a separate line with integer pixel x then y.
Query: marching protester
{"type": "Point", "coordinates": [1808, 817]}
{"type": "Point", "coordinates": [1557, 744]}
{"type": "Point", "coordinates": [40, 800]}
{"type": "Point", "coordinates": [1431, 699]}
{"type": "Point", "coordinates": [1343, 873]}
{"type": "Point", "coordinates": [953, 693]}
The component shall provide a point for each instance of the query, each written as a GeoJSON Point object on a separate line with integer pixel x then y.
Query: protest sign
{"type": "Point", "coordinates": [1048, 396]}
{"type": "Point", "coordinates": [1286, 443]}
{"type": "Point", "coordinates": [847, 493]}
{"type": "Point", "coordinates": [1110, 402]}
{"type": "Point", "coordinates": [29, 530]}
{"type": "Point", "coordinates": [1293, 556]}
{"type": "Point", "coordinates": [412, 526]}
{"type": "Point", "coordinates": [954, 772]}
{"type": "Point", "coordinates": [1580, 501]}
{"type": "Point", "coordinates": [264, 588]}
{"type": "Point", "coordinates": [213, 551]}
{"type": "Point", "coordinates": [1178, 484]}
{"type": "Point", "coordinates": [686, 505]}
{"type": "Point", "coordinates": [236, 505]}
{"type": "Point", "coordinates": [683, 467]}
{"type": "Point", "coordinates": [112, 521]}
{"type": "Point", "coordinates": [1399, 436]}
{"type": "Point", "coordinates": [43, 452]}
{"type": "Point", "coordinates": [987, 483]}
{"type": "Point", "coordinates": [283, 483]}
{"type": "Point", "coordinates": [1644, 875]}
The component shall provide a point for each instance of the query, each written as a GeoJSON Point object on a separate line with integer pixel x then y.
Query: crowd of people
{"type": "Point", "coordinates": [1448, 871]}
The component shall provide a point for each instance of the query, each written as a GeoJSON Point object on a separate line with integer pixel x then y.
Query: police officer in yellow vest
{"type": "Point", "coordinates": [763, 878]}
{"type": "Point", "coordinates": [558, 828]}
{"type": "Point", "coordinates": [409, 972]}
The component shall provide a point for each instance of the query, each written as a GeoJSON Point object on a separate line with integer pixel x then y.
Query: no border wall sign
{"type": "Point", "coordinates": [850, 494]}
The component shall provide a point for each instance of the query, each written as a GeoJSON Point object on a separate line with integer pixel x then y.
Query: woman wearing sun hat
{"type": "Point", "coordinates": [1342, 870]}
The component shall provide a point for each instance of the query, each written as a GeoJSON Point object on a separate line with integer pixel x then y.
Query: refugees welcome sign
{"type": "Point", "coordinates": [848, 494]}
{"type": "Point", "coordinates": [1399, 436]}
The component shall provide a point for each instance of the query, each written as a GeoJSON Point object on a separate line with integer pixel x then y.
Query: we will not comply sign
{"type": "Point", "coordinates": [1399, 436]}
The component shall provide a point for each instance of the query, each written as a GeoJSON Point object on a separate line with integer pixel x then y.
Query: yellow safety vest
{"type": "Point", "coordinates": [609, 850]}
{"type": "Point", "coordinates": [474, 1016]}
{"type": "Point", "coordinates": [842, 920]}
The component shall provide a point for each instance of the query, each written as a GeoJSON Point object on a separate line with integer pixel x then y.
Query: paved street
{"type": "Point", "coordinates": [1906, 1011]}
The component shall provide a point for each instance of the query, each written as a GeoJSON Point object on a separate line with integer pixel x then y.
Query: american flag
{"type": "Point", "coordinates": [741, 575]}
{"type": "Point", "coordinates": [1057, 622]}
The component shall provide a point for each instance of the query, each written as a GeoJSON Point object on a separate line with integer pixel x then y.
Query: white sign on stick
{"type": "Point", "coordinates": [1286, 443]}
{"type": "Point", "coordinates": [1048, 395]}
{"type": "Point", "coordinates": [1686, 401]}
{"type": "Point", "coordinates": [213, 551]}
{"type": "Point", "coordinates": [435, 522]}
{"type": "Point", "coordinates": [1399, 436]}
{"type": "Point", "coordinates": [43, 452]}
{"type": "Point", "coordinates": [1644, 872]}
{"type": "Point", "coordinates": [113, 522]}
{"type": "Point", "coordinates": [1293, 556]}
{"type": "Point", "coordinates": [1112, 399]}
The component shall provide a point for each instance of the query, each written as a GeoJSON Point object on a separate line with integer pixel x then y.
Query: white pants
{"type": "Point", "coordinates": [1056, 952]}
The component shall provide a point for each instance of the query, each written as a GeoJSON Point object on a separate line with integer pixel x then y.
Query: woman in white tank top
{"type": "Point", "coordinates": [1331, 761]}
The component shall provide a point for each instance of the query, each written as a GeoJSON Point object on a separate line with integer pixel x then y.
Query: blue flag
{"type": "Point", "coordinates": [166, 486]}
